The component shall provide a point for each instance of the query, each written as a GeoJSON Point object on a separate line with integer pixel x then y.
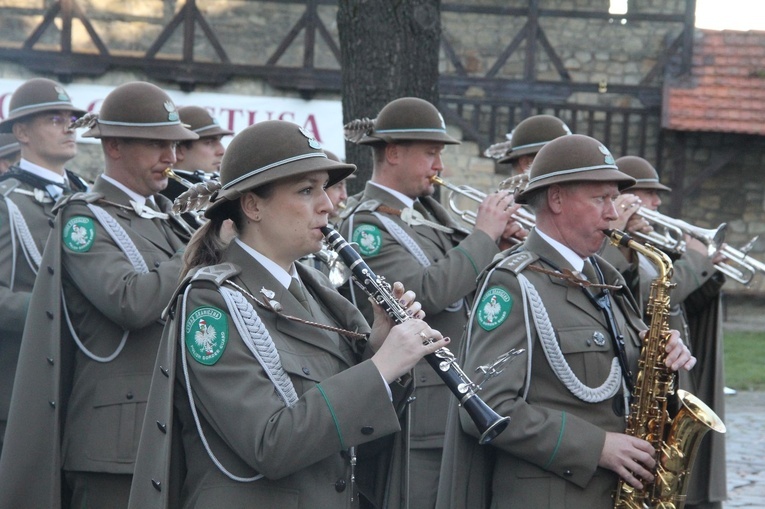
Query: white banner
{"type": "Point", "coordinates": [323, 119]}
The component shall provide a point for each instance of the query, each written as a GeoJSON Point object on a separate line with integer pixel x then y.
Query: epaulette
{"type": "Point", "coordinates": [80, 197]}
{"type": "Point", "coordinates": [7, 186]}
{"type": "Point", "coordinates": [355, 206]}
{"type": "Point", "coordinates": [217, 274]}
{"type": "Point", "coordinates": [516, 261]}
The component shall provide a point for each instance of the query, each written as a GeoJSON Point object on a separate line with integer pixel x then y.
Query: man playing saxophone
{"type": "Point", "coordinates": [695, 311]}
{"type": "Point", "coordinates": [565, 446]}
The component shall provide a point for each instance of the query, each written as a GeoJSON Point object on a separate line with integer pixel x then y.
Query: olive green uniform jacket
{"type": "Point", "coordinates": [455, 259]}
{"type": "Point", "coordinates": [696, 313]}
{"type": "Point", "coordinates": [68, 411]}
{"type": "Point", "coordinates": [342, 401]}
{"type": "Point", "coordinates": [548, 455]}
{"type": "Point", "coordinates": [17, 272]}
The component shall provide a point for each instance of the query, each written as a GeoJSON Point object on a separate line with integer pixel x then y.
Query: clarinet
{"type": "Point", "coordinates": [489, 423]}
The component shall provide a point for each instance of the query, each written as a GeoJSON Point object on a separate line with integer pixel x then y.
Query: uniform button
{"type": "Point", "coordinates": [50, 270]}
{"type": "Point", "coordinates": [49, 315]}
{"type": "Point", "coordinates": [704, 274]}
{"type": "Point", "coordinates": [50, 223]}
{"type": "Point", "coordinates": [340, 486]}
{"type": "Point", "coordinates": [568, 473]}
{"type": "Point", "coordinates": [306, 370]}
{"type": "Point", "coordinates": [367, 430]}
{"type": "Point", "coordinates": [588, 342]}
{"type": "Point", "coordinates": [129, 395]}
{"type": "Point", "coordinates": [156, 265]}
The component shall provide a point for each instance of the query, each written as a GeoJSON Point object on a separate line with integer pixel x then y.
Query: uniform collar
{"type": "Point", "coordinates": [140, 200]}
{"type": "Point", "coordinates": [281, 275]}
{"type": "Point", "coordinates": [407, 201]}
{"type": "Point", "coordinates": [570, 256]}
{"type": "Point", "coordinates": [41, 172]}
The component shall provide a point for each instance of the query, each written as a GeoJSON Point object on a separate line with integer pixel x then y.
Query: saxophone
{"type": "Point", "coordinates": [675, 440]}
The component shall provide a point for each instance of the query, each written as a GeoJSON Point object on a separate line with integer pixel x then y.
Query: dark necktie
{"type": "Point", "coordinates": [298, 292]}
{"type": "Point", "coordinates": [589, 272]}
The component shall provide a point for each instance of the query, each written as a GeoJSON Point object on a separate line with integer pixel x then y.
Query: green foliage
{"type": "Point", "coordinates": [745, 360]}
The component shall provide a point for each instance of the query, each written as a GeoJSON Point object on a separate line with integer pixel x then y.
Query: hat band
{"type": "Point", "coordinates": [530, 145]}
{"type": "Point", "coordinates": [574, 170]}
{"type": "Point", "coordinates": [423, 130]}
{"type": "Point", "coordinates": [49, 105]}
{"type": "Point", "coordinates": [273, 165]}
{"type": "Point", "coordinates": [137, 124]}
{"type": "Point", "coordinates": [652, 181]}
{"type": "Point", "coordinates": [205, 128]}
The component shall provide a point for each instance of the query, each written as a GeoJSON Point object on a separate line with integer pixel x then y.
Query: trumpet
{"type": "Point", "coordinates": [737, 265]}
{"type": "Point", "coordinates": [338, 272]}
{"type": "Point", "coordinates": [522, 216]}
{"type": "Point", "coordinates": [190, 193]}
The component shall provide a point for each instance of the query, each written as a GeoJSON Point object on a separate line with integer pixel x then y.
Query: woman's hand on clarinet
{"type": "Point", "coordinates": [383, 323]}
{"type": "Point", "coordinates": [406, 344]}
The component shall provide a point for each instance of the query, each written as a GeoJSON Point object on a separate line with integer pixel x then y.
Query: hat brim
{"type": "Point", "coordinates": [174, 132]}
{"type": "Point", "coordinates": [622, 180]}
{"type": "Point", "coordinates": [515, 154]}
{"type": "Point", "coordinates": [213, 131]}
{"type": "Point", "coordinates": [647, 185]}
{"type": "Point", "coordinates": [437, 137]}
{"type": "Point", "coordinates": [6, 126]}
{"type": "Point", "coordinates": [225, 198]}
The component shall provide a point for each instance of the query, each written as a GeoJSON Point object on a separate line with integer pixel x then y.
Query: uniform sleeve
{"type": "Point", "coordinates": [551, 439]}
{"type": "Point", "coordinates": [238, 400]}
{"type": "Point", "coordinates": [449, 278]}
{"type": "Point", "coordinates": [13, 303]}
{"type": "Point", "coordinates": [691, 271]}
{"type": "Point", "coordinates": [107, 278]}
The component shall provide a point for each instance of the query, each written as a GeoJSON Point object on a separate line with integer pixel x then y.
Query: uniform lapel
{"type": "Point", "coordinates": [143, 227]}
{"type": "Point", "coordinates": [258, 277]}
{"type": "Point", "coordinates": [574, 294]}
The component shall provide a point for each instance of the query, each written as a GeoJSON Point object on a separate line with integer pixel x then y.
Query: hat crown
{"type": "Point", "coordinates": [637, 168]}
{"type": "Point", "coordinates": [537, 131]}
{"type": "Point", "coordinates": [574, 153]}
{"type": "Point", "coordinates": [138, 104]}
{"type": "Point", "coordinates": [264, 146]}
{"type": "Point", "coordinates": [200, 121]}
{"type": "Point", "coordinates": [409, 119]}
{"type": "Point", "coordinates": [39, 93]}
{"type": "Point", "coordinates": [409, 114]}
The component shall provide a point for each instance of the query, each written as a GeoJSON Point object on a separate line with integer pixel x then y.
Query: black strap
{"type": "Point", "coordinates": [603, 302]}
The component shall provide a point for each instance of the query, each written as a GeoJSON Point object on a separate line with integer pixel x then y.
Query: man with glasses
{"type": "Point", "coordinates": [111, 264]}
{"type": "Point", "coordinates": [39, 116]}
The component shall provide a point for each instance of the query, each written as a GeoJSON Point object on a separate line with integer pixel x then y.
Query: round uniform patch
{"type": "Point", "coordinates": [79, 234]}
{"type": "Point", "coordinates": [206, 334]}
{"type": "Point", "coordinates": [494, 308]}
{"type": "Point", "coordinates": [369, 239]}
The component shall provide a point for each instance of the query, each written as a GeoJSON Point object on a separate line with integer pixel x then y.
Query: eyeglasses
{"type": "Point", "coordinates": [60, 120]}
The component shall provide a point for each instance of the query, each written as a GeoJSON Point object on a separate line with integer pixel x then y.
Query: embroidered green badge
{"type": "Point", "coordinates": [79, 234]}
{"type": "Point", "coordinates": [369, 239]}
{"type": "Point", "coordinates": [494, 308]}
{"type": "Point", "coordinates": [206, 334]}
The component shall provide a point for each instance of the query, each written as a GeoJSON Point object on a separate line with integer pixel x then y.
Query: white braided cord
{"type": "Point", "coordinates": [258, 340]}
{"type": "Point", "coordinates": [18, 226]}
{"type": "Point", "coordinates": [125, 243]}
{"type": "Point", "coordinates": [557, 360]}
{"type": "Point", "coordinates": [120, 237]}
{"type": "Point", "coordinates": [414, 249]}
{"type": "Point", "coordinates": [193, 405]}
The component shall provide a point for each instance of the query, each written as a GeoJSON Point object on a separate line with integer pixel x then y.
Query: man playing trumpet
{"type": "Point", "coordinates": [405, 235]}
{"type": "Point", "coordinates": [695, 312]}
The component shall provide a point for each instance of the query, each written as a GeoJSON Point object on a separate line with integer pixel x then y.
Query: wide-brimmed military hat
{"type": "Point", "coordinates": [138, 110]}
{"type": "Point", "coordinates": [645, 175]}
{"type": "Point", "coordinates": [8, 144]}
{"type": "Point", "coordinates": [404, 119]}
{"type": "Point", "coordinates": [201, 122]}
{"type": "Point", "coordinates": [573, 158]}
{"type": "Point", "coordinates": [34, 96]}
{"type": "Point", "coordinates": [532, 134]}
{"type": "Point", "coordinates": [265, 152]}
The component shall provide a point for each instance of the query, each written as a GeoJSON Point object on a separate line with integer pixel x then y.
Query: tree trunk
{"type": "Point", "coordinates": [389, 49]}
